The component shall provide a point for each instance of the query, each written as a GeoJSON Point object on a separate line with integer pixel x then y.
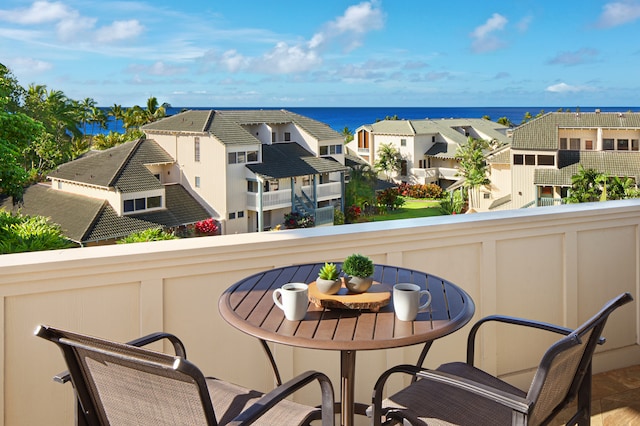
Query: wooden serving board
{"type": "Point", "coordinates": [373, 299]}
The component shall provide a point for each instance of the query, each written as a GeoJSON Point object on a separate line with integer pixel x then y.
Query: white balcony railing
{"type": "Point", "coordinates": [325, 191]}
{"type": "Point", "coordinates": [558, 264]}
{"type": "Point", "coordinates": [270, 200]}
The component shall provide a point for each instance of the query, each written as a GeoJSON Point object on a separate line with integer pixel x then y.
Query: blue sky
{"type": "Point", "coordinates": [285, 53]}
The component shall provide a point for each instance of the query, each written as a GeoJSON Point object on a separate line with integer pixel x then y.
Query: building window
{"type": "Point", "coordinates": [422, 164]}
{"type": "Point", "coordinates": [141, 203]}
{"type": "Point", "coordinates": [196, 149]}
{"type": "Point", "coordinates": [529, 160]}
{"type": "Point", "coordinates": [287, 136]}
{"type": "Point", "coordinates": [252, 186]}
{"type": "Point", "coordinates": [242, 157]}
{"type": "Point", "coordinates": [252, 156]}
{"type": "Point", "coordinates": [588, 145]}
{"type": "Point", "coordinates": [232, 158]}
{"type": "Point", "coordinates": [563, 143]}
{"type": "Point", "coordinates": [363, 139]}
{"type": "Point", "coordinates": [403, 142]}
{"type": "Point", "coordinates": [197, 182]}
{"type": "Point", "coordinates": [518, 159]}
{"type": "Point", "coordinates": [240, 215]}
{"type": "Point", "coordinates": [433, 139]}
{"type": "Point", "coordinates": [546, 191]}
{"type": "Point", "coordinates": [546, 160]}
{"type": "Point", "coordinates": [574, 144]}
{"type": "Point", "coordinates": [154, 202]}
{"type": "Point", "coordinates": [623, 144]}
{"type": "Point", "coordinates": [331, 149]}
{"type": "Point", "coordinates": [232, 215]}
{"type": "Point", "coordinates": [607, 144]}
{"type": "Point", "coordinates": [273, 137]}
{"type": "Point", "coordinates": [634, 145]}
{"type": "Point", "coordinates": [128, 205]}
{"type": "Point", "coordinates": [487, 195]}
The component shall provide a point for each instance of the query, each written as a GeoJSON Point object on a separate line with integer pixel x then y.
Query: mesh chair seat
{"type": "Point", "coordinates": [229, 400]}
{"type": "Point", "coordinates": [435, 404]}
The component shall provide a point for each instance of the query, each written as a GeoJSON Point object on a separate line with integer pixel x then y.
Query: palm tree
{"type": "Point", "coordinates": [348, 134]}
{"type": "Point", "coordinates": [389, 159]}
{"type": "Point", "coordinates": [505, 121]}
{"type": "Point", "coordinates": [116, 112]}
{"type": "Point", "coordinates": [473, 167]}
{"type": "Point", "coordinates": [585, 186]}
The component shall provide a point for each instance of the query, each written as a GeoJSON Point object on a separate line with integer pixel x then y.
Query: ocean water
{"type": "Point", "coordinates": [353, 117]}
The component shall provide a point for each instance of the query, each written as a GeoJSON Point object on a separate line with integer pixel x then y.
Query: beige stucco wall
{"type": "Point", "coordinates": [557, 264]}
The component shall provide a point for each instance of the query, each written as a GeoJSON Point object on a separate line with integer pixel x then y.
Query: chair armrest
{"type": "Point", "coordinates": [269, 400]}
{"type": "Point", "coordinates": [516, 321]}
{"type": "Point", "coordinates": [376, 399]}
{"type": "Point", "coordinates": [507, 399]}
{"type": "Point", "coordinates": [178, 347]}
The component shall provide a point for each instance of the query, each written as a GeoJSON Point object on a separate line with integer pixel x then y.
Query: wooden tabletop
{"type": "Point", "coordinates": [248, 306]}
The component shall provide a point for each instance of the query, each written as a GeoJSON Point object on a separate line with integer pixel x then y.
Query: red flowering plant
{"type": "Point", "coordinates": [207, 227]}
{"type": "Point", "coordinates": [353, 213]}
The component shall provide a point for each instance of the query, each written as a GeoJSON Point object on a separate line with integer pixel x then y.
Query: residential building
{"type": "Point", "coordinates": [546, 152]}
{"type": "Point", "coordinates": [107, 195]}
{"type": "Point", "coordinates": [428, 147]}
{"type": "Point", "coordinates": [251, 167]}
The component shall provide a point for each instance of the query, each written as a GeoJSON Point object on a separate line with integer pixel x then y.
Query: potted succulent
{"type": "Point", "coordinates": [328, 282]}
{"type": "Point", "coordinates": [359, 270]}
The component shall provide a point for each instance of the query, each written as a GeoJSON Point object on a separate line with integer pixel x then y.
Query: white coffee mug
{"type": "Point", "coordinates": [406, 301]}
{"type": "Point", "coordinates": [295, 299]}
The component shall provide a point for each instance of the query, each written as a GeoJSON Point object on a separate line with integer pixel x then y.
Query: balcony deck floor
{"type": "Point", "coordinates": [615, 398]}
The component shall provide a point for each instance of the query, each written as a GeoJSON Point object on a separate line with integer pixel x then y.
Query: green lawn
{"type": "Point", "coordinates": [411, 209]}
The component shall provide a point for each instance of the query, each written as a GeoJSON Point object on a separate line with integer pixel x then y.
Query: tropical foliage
{"type": "Point", "coordinates": [418, 190]}
{"type": "Point", "coordinates": [298, 220]}
{"type": "Point", "coordinates": [590, 185]}
{"type": "Point", "coordinates": [473, 167]}
{"type": "Point", "coordinates": [20, 234]}
{"type": "Point", "coordinates": [388, 159]}
{"type": "Point", "coordinates": [152, 234]}
{"type": "Point", "coordinates": [360, 189]}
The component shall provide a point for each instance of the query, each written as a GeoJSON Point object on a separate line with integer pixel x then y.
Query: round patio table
{"type": "Point", "coordinates": [248, 306]}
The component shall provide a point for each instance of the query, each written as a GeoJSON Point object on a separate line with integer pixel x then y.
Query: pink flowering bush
{"type": "Point", "coordinates": [207, 227]}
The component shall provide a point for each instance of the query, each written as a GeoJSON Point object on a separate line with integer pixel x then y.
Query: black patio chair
{"type": "Point", "coordinates": [459, 394]}
{"type": "Point", "coordinates": [124, 384]}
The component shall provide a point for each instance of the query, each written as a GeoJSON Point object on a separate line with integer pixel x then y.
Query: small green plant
{"type": "Point", "coordinates": [358, 265]}
{"type": "Point", "coordinates": [328, 272]}
{"type": "Point", "coordinates": [147, 235]}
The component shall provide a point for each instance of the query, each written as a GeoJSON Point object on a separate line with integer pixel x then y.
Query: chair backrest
{"type": "Point", "coordinates": [565, 364]}
{"type": "Point", "coordinates": [120, 384]}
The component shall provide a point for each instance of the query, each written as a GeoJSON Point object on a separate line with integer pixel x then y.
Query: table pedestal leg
{"type": "Point", "coordinates": [347, 374]}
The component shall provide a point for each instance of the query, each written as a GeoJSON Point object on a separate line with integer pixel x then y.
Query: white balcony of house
{"type": "Point", "coordinates": [271, 200]}
{"type": "Point", "coordinates": [324, 191]}
{"type": "Point", "coordinates": [556, 264]}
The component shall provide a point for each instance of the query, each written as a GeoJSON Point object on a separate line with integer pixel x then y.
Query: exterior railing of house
{"type": "Point", "coordinates": [324, 216]}
{"type": "Point", "coordinates": [324, 191]}
{"type": "Point", "coordinates": [546, 201]}
{"type": "Point", "coordinates": [271, 200]}
{"type": "Point", "coordinates": [558, 264]}
{"type": "Point", "coordinates": [432, 175]}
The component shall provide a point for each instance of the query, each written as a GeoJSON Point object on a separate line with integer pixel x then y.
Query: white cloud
{"type": "Point", "coordinates": [483, 36]}
{"type": "Point", "coordinates": [285, 59]}
{"type": "Point", "coordinates": [40, 12]}
{"type": "Point", "coordinates": [619, 13]}
{"type": "Point", "coordinates": [119, 30]}
{"type": "Point", "coordinates": [75, 28]}
{"type": "Point", "coordinates": [158, 68]}
{"type": "Point", "coordinates": [565, 88]}
{"type": "Point", "coordinates": [28, 66]}
{"type": "Point", "coordinates": [575, 58]}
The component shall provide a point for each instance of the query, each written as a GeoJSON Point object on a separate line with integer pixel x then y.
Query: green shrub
{"type": "Point", "coordinates": [21, 233]}
{"type": "Point", "coordinates": [358, 265]}
{"type": "Point", "coordinates": [153, 234]}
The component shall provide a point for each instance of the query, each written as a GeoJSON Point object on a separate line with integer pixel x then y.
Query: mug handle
{"type": "Point", "coordinates": [276, 293]}
{"type": "Point", "coordinates": [426, 304]}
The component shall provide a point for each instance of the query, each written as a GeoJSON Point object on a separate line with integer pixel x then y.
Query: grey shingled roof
{"type": "Point", "coordinates": [501, 155]}
{"type": "Point", "coordinates": [542, 132]}
{"type": "Point", "coordinates": [282, 160]}
{"type": "Point", "coordinates": [121, 167]}
{"type": "Point", "coordinates": [85, 219]}
{"type": "Point", "coordinates": [226, 125]}
{"type": "Point", "coordinates": [182, 209]}
{"type": "Point", "coordinates": [621, 164]}
{"type": "Point", "coordinates": [442, 150]}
